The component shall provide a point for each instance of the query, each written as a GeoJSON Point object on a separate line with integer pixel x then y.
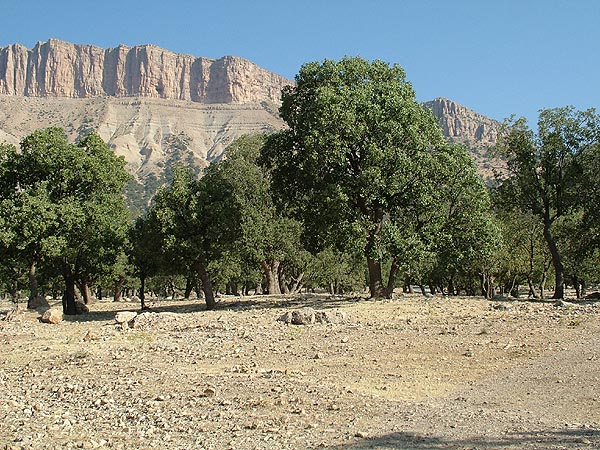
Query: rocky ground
{"type": "Point", "coordinates": [411, 373]}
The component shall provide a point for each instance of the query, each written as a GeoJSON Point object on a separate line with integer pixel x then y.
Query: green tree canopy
{"type": "Point", "coordinates": [545, 174]}
{"type": "Point", "coordinates": [65, 200]}
{"type": "Point", "coordinates": [360, 161]}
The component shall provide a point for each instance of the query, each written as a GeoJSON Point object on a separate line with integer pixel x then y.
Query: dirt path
{"type": "Point", "coordinates": [423, 373]}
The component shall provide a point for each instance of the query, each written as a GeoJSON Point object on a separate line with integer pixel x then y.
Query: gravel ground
{"type": "Point", "coordinates": [411, 373]}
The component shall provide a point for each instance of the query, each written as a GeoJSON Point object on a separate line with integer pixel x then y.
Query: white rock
{"type": "Point", "coordinates": [125, 316]}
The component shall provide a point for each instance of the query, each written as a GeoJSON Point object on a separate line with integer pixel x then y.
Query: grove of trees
{"type": "Point", "coordinates": [359, 193]}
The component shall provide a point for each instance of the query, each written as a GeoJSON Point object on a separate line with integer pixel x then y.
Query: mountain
{"type": "Point", "coordinates": [61, 69]}
{"type": "Point", "coordinates": [158, 108]}
{"type": "Point", "coordinates": [464, 126]}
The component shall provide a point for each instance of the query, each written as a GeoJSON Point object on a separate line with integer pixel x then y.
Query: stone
{"type": "Point", "coordinates": [210, 392]}
{"type": "Point", "coordinates": [309, 316]}
{"type": "Point", "coordinates": [90, 336]}
{"type": "Point", "coordinates": [52, 315]}
{"type": "Point", "coordinates": [147, 320]}
{"type": "Point", "coordinates": [123, 317]}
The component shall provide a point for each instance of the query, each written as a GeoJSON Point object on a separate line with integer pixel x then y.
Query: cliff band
{"type": "Point", "coordinates": [61, 69]}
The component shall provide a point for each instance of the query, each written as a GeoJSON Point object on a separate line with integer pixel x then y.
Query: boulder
{"type": "Point", "coordinates": [52, 315]}
{"type": "Point", "coordinates": [125, 317]}
{"type": "Point", "coordinates": [309, 316]}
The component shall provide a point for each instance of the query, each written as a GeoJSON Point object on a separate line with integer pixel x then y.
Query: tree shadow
{"type": "Point", "coordinates": [543, 439]}
{"type": "Point", "coordinates": [229, 303]}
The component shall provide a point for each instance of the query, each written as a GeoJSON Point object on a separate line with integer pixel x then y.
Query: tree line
{"type": "Point", "coordinates": [360, 192]}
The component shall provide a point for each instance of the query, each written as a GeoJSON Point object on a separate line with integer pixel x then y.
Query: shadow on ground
{"type": "Point", "coordinates": [560, 439]}
{"type": "Point", "coordinates": [260, 302]}
{"type": "Point", "coordinates": [223, 304]}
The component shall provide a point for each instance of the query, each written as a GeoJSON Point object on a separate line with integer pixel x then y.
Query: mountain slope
{"type": "Point", "coordinates": [464, 126]}
{"type": "Point", "coordinates": [158, 108]}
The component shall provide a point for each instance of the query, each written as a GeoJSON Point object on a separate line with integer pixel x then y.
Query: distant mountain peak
{"type": "Point", "coordinates": [462, 124]}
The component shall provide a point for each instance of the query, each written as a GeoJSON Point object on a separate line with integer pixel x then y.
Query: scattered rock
{"type": "Point", "coordinates": [309, 316]}
{"type": "Point", "coordinates": [90, 336]}
{"type": "Point", "coordinates": [123, 317]}
{"type": "Point", "coordinates": [52, 315]}
{"type": "Point", "coordinates": [210, 392]}
{"type": "Point", "coordinates": [501, 307]}
{"type": "Point", "coordinates": [148, 319]}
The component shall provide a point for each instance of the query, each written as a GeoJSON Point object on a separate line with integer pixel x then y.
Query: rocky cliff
{"type": "Point", "coordinates": [462, 124]}
{"type": "Point", "coordinates": [158, 108]}
{"type": "Point", "coordinates": [61, 69]}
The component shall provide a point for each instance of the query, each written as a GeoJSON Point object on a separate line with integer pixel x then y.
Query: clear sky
{"type": "Point", "coordinates": [498, 57]}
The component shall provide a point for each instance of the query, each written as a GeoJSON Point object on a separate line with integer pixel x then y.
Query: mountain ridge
{"type": "Point", "coordinates": [157, 108]}
{"type": "Point", "coordinates": [57, 68]}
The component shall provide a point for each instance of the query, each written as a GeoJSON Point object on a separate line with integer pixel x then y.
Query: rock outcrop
{"type": "Point", "coordinates": [462, 124]}
{"type": "Point", "coordinates": [61, 69]}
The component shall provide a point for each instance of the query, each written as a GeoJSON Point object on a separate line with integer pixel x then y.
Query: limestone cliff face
{"type": "Point", "coordinates": [464, 125]}
{"type": "Point", "coordinates": [61, 69]}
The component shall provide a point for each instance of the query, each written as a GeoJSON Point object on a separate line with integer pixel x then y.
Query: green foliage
{"type": "Point", "coordinates": [547, 173]}
{"type": "Point", "coordinates": [364, 166]}
{"type": "Point", "coordinates": [62, 202]}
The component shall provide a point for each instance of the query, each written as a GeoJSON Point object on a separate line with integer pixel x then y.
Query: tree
{"type": "Point", "coordinates": [543, 172]}
{"type": "Point", "coordinates": [461, 227]}
{"type": "Point", "coordinates": [145, 250]}
{"type": "Point", "coordinates": [192, 219]}
{"type": "Point", "coordinates": [261, 234]}
{"type": "Point", "coordinates": [358, 162]}
{"type": "Point", "coordinates": [67, 197]}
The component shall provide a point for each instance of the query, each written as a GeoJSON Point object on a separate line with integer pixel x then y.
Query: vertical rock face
{"type": "Point", "coordinates": [61, 69]}
{"type": "Point", "coordinates": [462, 124]}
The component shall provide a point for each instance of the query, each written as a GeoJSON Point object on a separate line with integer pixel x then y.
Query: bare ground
{"type": "Point", "coordinates": [412, 373]}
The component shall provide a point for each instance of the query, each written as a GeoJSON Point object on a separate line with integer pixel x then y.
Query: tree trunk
{"type": "Point", "coordinates": [408, 284]}
{"type": "Point", "coordinates": [99, 293]}
{"type": "Point", "coordinates": [189, 287]}
{"type": "Point", "coordinates": [389, 290]}
{"type": "Point", "coordinates": [86, 293]}
{"type": "Point", "coordinates": [532, 291]}
{"type": "Point", "coordinates": [143, 292]}
{"type": "Point", "coordinates": [451, 286]}
{"type": "Point", "coordinates": [69, 295]}
{"type": "Point", "coordinates": [283, 287]}
{"type": "Point", "coordinates": [207, 287]}
{"type": "Point", "coordinates": [577, 287]}
{"type": "Point", "coordinates": [559, 280]}
{"type": "Point", "coordinates": [297, 283]}
{"type": "Point", "coordinates": [33, 286]}
{"type": "Point", "coordinates": [119, 289]}
{"type": "Point", "coordinates": [375, 280]}
{"type": "Point", "coordinates": [483, 284]}
{"type": "Point", "coordinates": [271, 272]}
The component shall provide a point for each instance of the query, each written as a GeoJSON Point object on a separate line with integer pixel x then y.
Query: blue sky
{"type": "Point", "coordinates": [498, 57]}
